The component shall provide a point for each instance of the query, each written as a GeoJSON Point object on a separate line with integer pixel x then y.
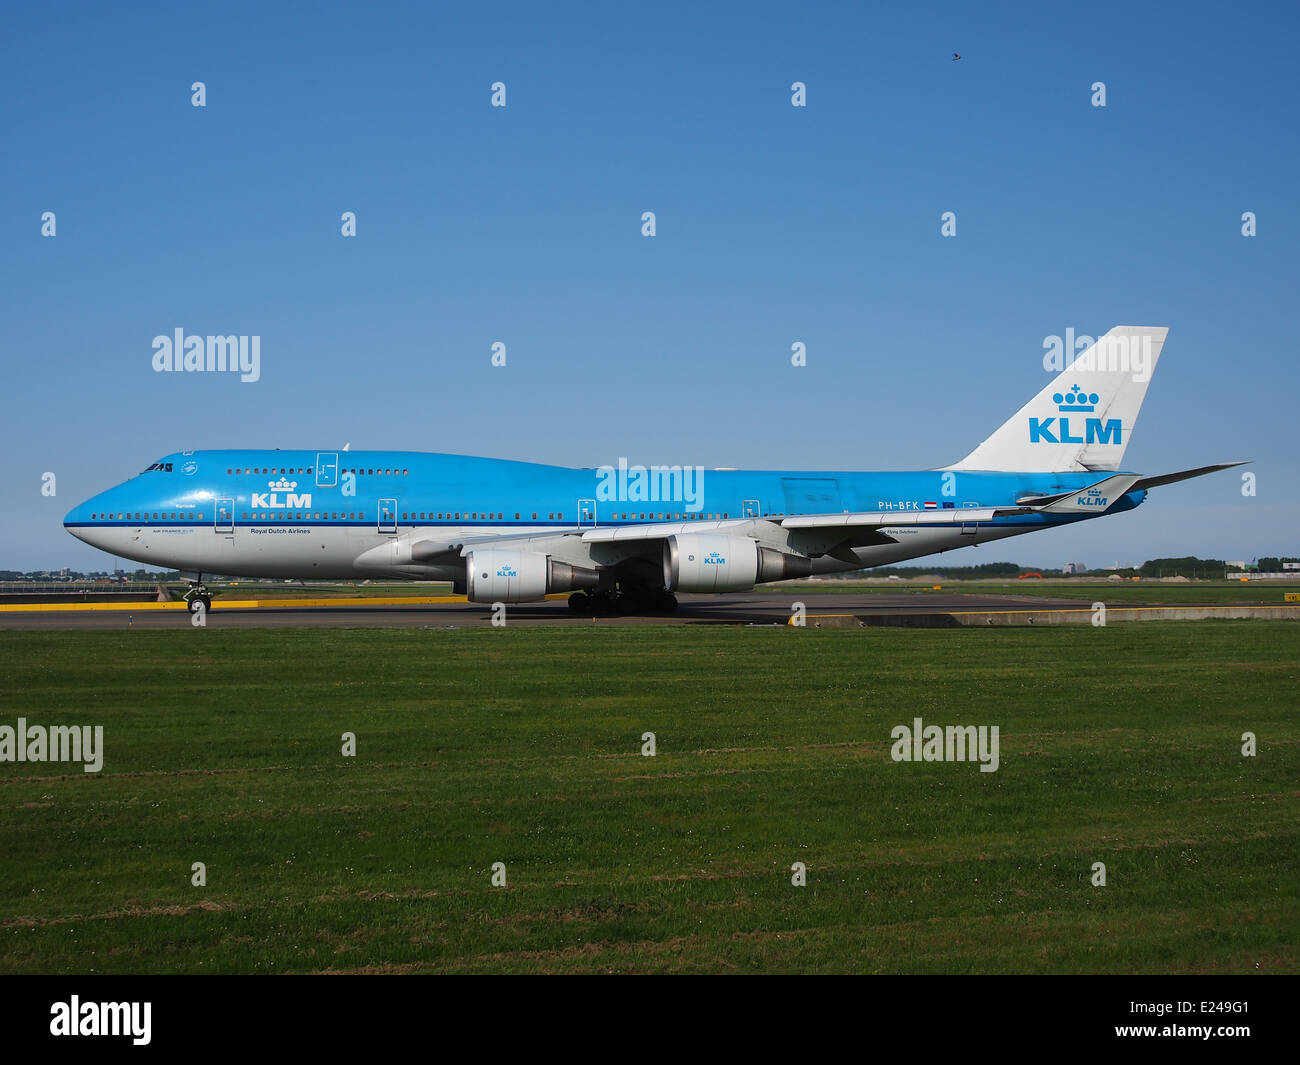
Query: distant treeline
{"type": "Point", "coordinates": [988, 569]}
{"type": "Point", "coordinates": [1191, 566]}
{"type": "Point", "coordinates": [1213, 568]}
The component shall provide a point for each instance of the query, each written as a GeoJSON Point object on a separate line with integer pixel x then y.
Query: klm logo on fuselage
{"type": "Point", "coordinates": [272, 501]}
{"type": "Point", "coordinates": [1095, 431]}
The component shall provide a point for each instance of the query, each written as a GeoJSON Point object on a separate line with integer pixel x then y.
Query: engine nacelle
{"type": "Point", "coordinates": [720, 563]}
{"type": "Point", "coordinates": [518, 576]}
{"type": "Point", "coordinates": [710, 563]}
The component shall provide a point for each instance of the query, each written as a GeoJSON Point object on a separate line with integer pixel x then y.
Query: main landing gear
{"type": "Point", "coordinates": [198, 595]}
{"type": "Point", "coordinates": [615, 603]}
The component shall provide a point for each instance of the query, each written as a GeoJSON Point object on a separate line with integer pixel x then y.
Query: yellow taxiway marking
{"type": "Point", "coordinates": [248, 604]}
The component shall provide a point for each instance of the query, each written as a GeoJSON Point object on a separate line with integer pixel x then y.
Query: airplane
{"type": "Point", "coordinates": [626, 539]}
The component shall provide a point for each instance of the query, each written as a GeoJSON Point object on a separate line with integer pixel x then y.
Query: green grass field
{"type": "Point", "coordinates": [1084, 590]}
{"type": "Point", "coordinates": [1114, 593]}
{"type": "Point", "coordinates": [1119, 745]}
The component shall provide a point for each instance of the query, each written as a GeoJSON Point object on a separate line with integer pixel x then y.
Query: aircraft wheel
{"type": "Point", "coordinates": [580, 603]}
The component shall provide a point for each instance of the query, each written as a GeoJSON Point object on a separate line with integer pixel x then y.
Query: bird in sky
{"type": "Point", "coordinates": [956, 56]}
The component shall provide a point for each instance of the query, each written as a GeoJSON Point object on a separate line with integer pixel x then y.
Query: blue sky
{"type": "Point", "coordinates": [775, 224]}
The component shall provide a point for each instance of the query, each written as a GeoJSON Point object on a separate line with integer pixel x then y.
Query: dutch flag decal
{"type": "Point", "coordinates": [932, 506]}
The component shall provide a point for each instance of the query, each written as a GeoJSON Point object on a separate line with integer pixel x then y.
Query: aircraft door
{"type": "Point", "coordinates": [327, 469]}
{"type": "Point", "coordinates": [750, 508]}
{"type": "Point", "coordinates": [586, 513]}
{"type": "Point", "coordinates": [388, 515]}
{"type": "Point", "coordinates": [223, 518]}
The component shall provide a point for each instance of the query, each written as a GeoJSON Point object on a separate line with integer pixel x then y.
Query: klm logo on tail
{"type": "Point", "coordinates": [1095, 430]}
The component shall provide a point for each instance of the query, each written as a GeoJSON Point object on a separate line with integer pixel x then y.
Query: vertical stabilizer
{"type": "Point", "coordinates": [1083, 420]}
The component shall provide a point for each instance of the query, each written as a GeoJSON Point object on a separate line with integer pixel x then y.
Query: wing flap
{"type": "Point", "coordinates": [879, 519]}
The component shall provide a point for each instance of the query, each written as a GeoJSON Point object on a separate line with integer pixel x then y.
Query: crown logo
{"type": "Point", "coordinates": [1076, 399]}
{"type": "Point", "coordinates": [283, 484]}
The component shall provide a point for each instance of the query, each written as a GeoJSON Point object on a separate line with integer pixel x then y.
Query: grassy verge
{"type": "Point", "coordinates": [1119, 745]}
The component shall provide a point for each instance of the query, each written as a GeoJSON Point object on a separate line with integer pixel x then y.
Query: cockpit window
{"type": "Point", "coordinates": [162, 467]}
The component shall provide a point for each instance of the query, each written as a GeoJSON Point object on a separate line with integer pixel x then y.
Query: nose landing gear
{"type": "Point", "coordinates": [197, 595]}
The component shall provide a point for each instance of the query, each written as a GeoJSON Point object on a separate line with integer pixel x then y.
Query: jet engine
{"type": "Point", "coordinates": [718, 563]}
{"type": "Point", "coordinates": [518, 576]}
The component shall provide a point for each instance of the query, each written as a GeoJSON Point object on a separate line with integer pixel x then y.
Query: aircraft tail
{"type": "Point", "coordinates": [1084, 419]}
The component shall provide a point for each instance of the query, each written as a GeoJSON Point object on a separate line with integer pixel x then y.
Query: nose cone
{"type": "Point", "coordinates": [78, 520]}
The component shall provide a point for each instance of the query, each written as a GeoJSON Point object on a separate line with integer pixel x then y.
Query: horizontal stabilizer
{"type": "Point", "coordinates": [1089, 500]}
{"type": "Point", "coordinates": [1182, 475]}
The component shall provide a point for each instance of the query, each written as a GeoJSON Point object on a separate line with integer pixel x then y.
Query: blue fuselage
{"type": "Point", "coordinates": [310, 513]}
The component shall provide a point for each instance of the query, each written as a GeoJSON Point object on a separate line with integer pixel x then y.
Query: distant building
{"type": "Point", "coordinates": [1238, 565]}
{"type": "Point", "coordinates": [1074, 567]}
